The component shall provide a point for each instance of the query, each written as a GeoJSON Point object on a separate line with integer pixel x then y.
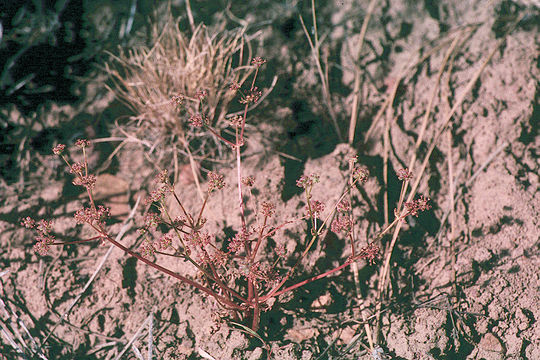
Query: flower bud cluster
{"type": "Point", "coordinates": [317, 208]}
{"type": "Point", "coordinates": [268, 209]}
{"type": "Point", "coordinates": [151, 220]}
{"type": "Point", "coordinates": [201, 94]}
{"type": "Point", "coordinates": [416, 206]}
{"type": "Point", "coordinates": [149, 247]}
{"type": "Point", "coordinates": [59, 149]}
{"type": "Point", "coordinates": [215, 181]}
{"type": "Point", "coordinates": [252, 97]}
{"type": "Point", "coordinates": [88, 181]}
{"type": "Point", "coordinates": [344, 206]}
{"type": "Point", "coordinates": [44, 239]}
{"type": "Point", "coordinates": [361, 174]}
{"type": "Point", "coordinates": [248, 181]}
{"type": "Point", "coordinates": [77, 168]}
{"type": "Point", "coordinates": [258, 61]}
{"type": "Point", "coordinates": [370, 252]}
{"type": "Point", "coordinates": [307, 181]}
{"type": "Point", "coordinates": [236, 244]}
{"type": "Point", "coordinates": [404, 174]}
{"type": "Point", "coordinates": [197, 239]}
{"type": "Point", "coordinates": [162, 177]}
{"type": "Point", "coordinates": [177, 100]}
{"type": "Point", "coordinates": [157, 195]}
{"type": "Point", "coordinates": [236, 121]}
{"type": "Point", "coordinates": [82, 143]}
{"type": "Point", "coordinates": [90, 214]}
{"type": "Point", "coordinates": [197, 120]}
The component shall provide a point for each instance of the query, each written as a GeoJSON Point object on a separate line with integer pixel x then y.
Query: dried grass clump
{"type": "Point", "coordinates": [147, 78]}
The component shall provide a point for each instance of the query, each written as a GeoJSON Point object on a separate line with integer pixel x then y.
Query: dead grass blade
{"type": "Point", "coordinates": [315, 46]}
{"type": "Point", "coordinates": [383, 281]}
{"type": "Point", "coordinates": [356, 89]}
{"type": "Point", "coordinates": [133, 338]}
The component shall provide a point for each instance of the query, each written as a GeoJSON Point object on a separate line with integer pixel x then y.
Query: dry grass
{"type": "Point", "coordinates": [177, 64]}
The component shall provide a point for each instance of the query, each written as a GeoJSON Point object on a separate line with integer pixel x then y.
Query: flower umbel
{"type": "Point", "coordinates": [248, 181]}
{"type": "Point", "coordinates": [197, 120]}
{"type": "Point", "coordinates": [28, 222]}
{"type": "Point", "coordinates": [177, 100]}
{"type": "Point", "coordinates": [360, 174]}
{"type": "Point", "coordinates": [416, 206]}
{"type": "Point", "coordinates": [344, 206]}
{"type": "Point", "coordinates": [252, 97]}
{"type": "Point", "coordinates": [58, 149]}
{"type": "Point", "coordinates": [307, 181]}
{"type": "Point", "coordinates": [317, 208]}
{"type": "Point", "coordinates": [370, 252]}
{"type": "Point", "coordinates": [215, 181]}
{"type": "Point", "coordinates": [88, 181]}
{"type": "Point", "coordinates": [342, 224]}
{"type": "Point", "coordinates": [236, 121]}
{"type": "Point", "coordinates": [257, 61]}
{"type": "Point", "coordinates": [268, 209]}
{"type": "Point", "coordinates": [404, 174]}
{"type": "Point", "coordinates": [82, 143]}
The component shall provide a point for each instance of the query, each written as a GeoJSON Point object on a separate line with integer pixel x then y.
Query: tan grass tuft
{"type": "Point", "coordinates": [147, 78]}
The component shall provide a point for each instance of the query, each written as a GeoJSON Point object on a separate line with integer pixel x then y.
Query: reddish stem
{"type": "Point", "coordinates": [78, 241]}
{"type": "Point", "coordinates": [307, 281]}
{"type": "Point", "coordinates": [173, 274]}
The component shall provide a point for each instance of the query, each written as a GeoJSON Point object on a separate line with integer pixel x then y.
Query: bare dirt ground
{"type": "Point", "coordinates": [464, 281]}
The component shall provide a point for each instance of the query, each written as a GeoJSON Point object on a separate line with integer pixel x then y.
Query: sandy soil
{"type": "Point", "coordinates": [464, 284]}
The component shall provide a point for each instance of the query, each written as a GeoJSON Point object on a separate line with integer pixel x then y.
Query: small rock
{"type": "Point", "coordinates": [490, 343]}
{"type": "Point", "coordinates": [300, 335]}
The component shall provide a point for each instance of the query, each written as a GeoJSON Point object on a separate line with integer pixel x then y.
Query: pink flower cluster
{"type": "Point", "coordinates": [268, 209]}
{"type": "Point", "coordinates": [236, 244]}
{"type": "Point", "coordinates": [58, 149]}
{"type": "Point", "coordinates": [361, 174]}
{"type": "Point", "coordinates": [234, 86]}
{"type": "Point", "coordinates": [151, 220]}
{"type": "Point", "coordinates": [88, 181]}
{"type": "Point", "coordinates": [307, 181]}
{"type": "Point", "coordinates": [416, 206]}
{"type": "Point", "coordinates": [89, 215]}
{"type": "Point", "coordinates": [201, 94]}
{"type": "Point", "coordinates": [162, 177]}
{"type": "Point", "coordinates": [157, 195]}
{"type": "Point", "coordinates": [404, 174]}
{"type": "Point", "coordinates": [342, 223]}
{"type": "Point", "coordinates": [248, 181]}
{"type": "Point", "coordinates": [370, 252]}
{"type": "Point", "coordinates": [197, 120]}
{"type": "Point", "coordinates": [197, 239]}
{"type": "Point", "coordinates": [317, 208]}
{"type": "Point", "coordinates": [215, 181]}
{"type": "Point", "coordinates": [258, 61]}
{"type": "Point", "coordinates": [344, 206]}
{"type": "Point", "coordinates": [76, 168]}
{"type": "Point", "coordinates": [82, 143]}
{"type": "Point", "coordinates": [252, 97]}
{"type": "Point", "coordinates": [148, 248]}
{"type": "Point", "coordinates": [164, 242]}
{"type": "Point", "coordinates": [177, 100]}
{"type": "Point", "coordinates": [44, 239]}
{"type": "Point", "coordinates": [236, 121]}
